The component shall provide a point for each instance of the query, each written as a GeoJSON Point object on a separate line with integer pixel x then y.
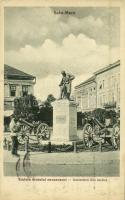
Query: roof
{"type": "Point", "coordinates": [91, 79]}
{"type": "Point", "coordinates": [115, 64]}
{"type": "Point", "coordinates": [13, 73]}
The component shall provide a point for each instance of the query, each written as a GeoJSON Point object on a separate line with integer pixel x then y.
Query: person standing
{"type": "Point", "coordinates": [14, 128]}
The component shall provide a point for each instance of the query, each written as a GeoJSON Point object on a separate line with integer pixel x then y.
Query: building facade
{"type": "Point", "coordinates": [16, 84]}
{"type": "Point", "coordinates": [101, 90]}
{"type": "Point", "coordinates": [108, 85]}
{"type": "Point", "coordinates": [85, 95]}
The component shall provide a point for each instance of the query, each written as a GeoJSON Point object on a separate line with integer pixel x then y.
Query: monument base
{"type": "Point", "coordinates": [61, 142]}
{"type": "Point", "coordinates": [64, 122]}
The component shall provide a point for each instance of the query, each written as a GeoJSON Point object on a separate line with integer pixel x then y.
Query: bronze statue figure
{"type": "Point", "coordinates": [65, 85]}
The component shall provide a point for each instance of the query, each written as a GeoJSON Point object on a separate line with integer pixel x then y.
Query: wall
{"type": "Point", "coordinates": [107, 90]}
{"type": "Point", "coordinates": [86, 97]}
{"type": "Point", "coordinates": [8, 100]}
{"type": "Point", "coordinates": [108, 87]}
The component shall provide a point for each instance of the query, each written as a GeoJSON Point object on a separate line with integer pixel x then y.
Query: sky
{"type": "Point", "coordinates": [43, 44]}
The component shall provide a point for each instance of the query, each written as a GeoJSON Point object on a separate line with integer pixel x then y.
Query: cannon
{"type": "Point", "coordinates": [94, 132]}
{"type": "Point", "coordinates": [36, 131]}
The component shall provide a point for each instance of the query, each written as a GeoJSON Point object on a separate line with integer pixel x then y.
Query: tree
{"type": "Point", "coordinates": [26, 107]}
{"type": "Point", "coordinates": [46, 110]}
{"type": "Point", "coordinates": [51, 98]}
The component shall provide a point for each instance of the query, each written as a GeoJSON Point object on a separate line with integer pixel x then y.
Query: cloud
{"type": "Point", "coordinates": [86, 23]}
{"type": "Point", "coordinates": [47, 85]}
{"type": "Point", "coordinates": [77, 54]}
{"type": "Point", "coordinates": [32, 26]}
{"type": "Point", "coordinates": [41, 43]}
{"type": "Point", "coordinates": [27, 26]}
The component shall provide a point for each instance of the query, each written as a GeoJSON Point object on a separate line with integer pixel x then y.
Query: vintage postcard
{"type": "Point", "coordinates": [62, 100]}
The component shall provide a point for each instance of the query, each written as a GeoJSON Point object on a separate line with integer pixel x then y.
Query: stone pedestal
{"type": "Point", "coordinates": [64, 121]}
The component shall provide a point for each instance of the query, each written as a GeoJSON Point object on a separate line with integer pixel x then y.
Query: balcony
{"type": "Point", "coordinates": [109, 105]}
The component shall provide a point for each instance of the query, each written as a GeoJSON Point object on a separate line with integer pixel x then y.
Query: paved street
{"type": "Point", "coordinates": [64, 164]}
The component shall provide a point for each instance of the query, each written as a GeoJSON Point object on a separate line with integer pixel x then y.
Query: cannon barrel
{"type": "Point", "coordinates": [99, 123]}
{"type": "Point", "coordinates": [25, 122]}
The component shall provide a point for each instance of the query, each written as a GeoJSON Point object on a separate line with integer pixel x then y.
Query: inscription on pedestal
{"type": "Point", "coordinates": [64, 121]}
{"type": "Point", "coordinates": [61, 119]}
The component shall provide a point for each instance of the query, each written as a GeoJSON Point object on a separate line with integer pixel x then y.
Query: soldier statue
{"type": "Point", "coordinates": [65, 85]}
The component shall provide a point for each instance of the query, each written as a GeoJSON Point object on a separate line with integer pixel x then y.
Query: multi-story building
{"type": "Point", "coordinates": [102, 89]}
{"type": "Point", "coordinates": [85, 94]}
{"type": "Point", "coordinates": [108, 85]}
{"type": "Point", "coordinates": [16, 84]}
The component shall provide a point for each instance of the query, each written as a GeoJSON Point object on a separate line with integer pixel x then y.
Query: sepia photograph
{"type": "Point", "coordinates": [62, 99]}
{"type": "Point", "coordinates": [61, 92]}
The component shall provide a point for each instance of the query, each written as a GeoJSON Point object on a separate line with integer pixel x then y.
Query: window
{"type": "Point", "coordinates": [79, 101]}
{"type": "Point", "coordinates": [103, 83]}
{"type": "Point", "coordinates": [112, 97]}
{"type": "Point", "coordinates": [100, 100]}
{"type": "Point", "coordinates": [100, 85]}
{"type": "Point", "coordinates": [24, 90]}
{"type": "Point", "coordinates": [103, 99]}
{"type": "Point", "coordinates": [109, 82]}
{"type": "Point", "coordinates": [112, 81]}
{"type": "Point", "coordinates": [12, 90]}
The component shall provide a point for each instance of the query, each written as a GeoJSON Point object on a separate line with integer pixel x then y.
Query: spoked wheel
{"type": "Point", "coordinates": [97, 129]}
{"type": "Point", "coordinates": [88, 135]}
{"type": "Point", "coordinates": [116, 136]}
{"type": "Point", "coordinates": [24, 133]}
{"type": "Point", "coordinates": [96, 135]}
{"type": "Point", "coordinates": [43, 132]}
{"type": "Point", "coordinates": [27, 164]}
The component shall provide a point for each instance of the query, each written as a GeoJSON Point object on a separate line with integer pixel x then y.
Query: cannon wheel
{"type": "Point", "coordinates": [43, 132]}
{"type": "Point", "coordinates": [23, 134]}
{"type": "Point", "coordinates": [87, 135]}
{"type": "Point", "coordinates": [97, 129]}
{"type": "Point", "coordinates": [116, 136]}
